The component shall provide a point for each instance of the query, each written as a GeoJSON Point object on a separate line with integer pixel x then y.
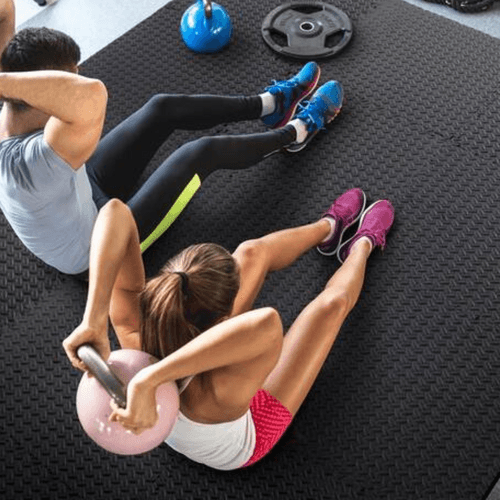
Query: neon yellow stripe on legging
{"type": "Point", "coordinates": [179, 205]}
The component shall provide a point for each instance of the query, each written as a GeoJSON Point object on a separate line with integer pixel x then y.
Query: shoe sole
{"type": "Point", "coordinates": [333, 252]}
{"type": "Point", "coordinates": [299, 147]}
{"type": "Point", "coordinates": [360, 223]}
{"type": "Point", "coordinates": [291, 111]}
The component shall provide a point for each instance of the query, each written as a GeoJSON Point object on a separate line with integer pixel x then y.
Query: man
{"type": "Point", "coordinates": [56, 172]}
{"type": "Point", "coordinates": [51, 118]}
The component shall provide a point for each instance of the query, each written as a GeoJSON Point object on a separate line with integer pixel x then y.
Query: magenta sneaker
{"type": "Point", "coordinates": [345, 210]}
{"type": "Point", "coordinates": [375, 223]}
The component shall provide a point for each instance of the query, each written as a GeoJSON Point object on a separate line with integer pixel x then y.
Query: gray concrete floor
{"type": "Point", "coordinates": [495, 494]}
{"type": "Point", "coordinates": [487, 21]}
{"type": "Point", "coordinates": [96, 23]}
{"type": "Point", "coordinates": [92, 23]}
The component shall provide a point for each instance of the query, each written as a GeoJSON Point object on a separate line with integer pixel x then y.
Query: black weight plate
{"type": "Point", "coordinates": [307, 30]}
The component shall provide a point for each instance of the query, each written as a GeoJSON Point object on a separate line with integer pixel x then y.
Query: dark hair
{"type": "Point", "coordinates": [33, 49]}
{"type": "Point", "coordinates": [193, 291]}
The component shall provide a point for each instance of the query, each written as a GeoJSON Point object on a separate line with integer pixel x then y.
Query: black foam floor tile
{"type": "Point", "coordinates": [406, 405]}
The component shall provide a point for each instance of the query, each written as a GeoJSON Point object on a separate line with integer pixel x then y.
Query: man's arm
{"type": "Point", "coordinates": [76, 106]}
{"type": "Point", "coordinates": [7, 22]}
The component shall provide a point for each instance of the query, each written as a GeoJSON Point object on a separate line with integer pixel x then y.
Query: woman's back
{"type": "Point", "coordinates": [209, 431]}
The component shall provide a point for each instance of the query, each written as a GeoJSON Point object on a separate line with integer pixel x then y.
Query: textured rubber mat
{"type": "Point", "coordinates": [407, 404]}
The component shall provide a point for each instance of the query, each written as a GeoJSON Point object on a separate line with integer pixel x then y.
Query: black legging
{"type": "Point", "coordinates": [123, 154]}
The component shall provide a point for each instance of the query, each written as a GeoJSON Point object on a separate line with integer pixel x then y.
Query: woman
{"type": "Point", "coordinates": [243, 380]}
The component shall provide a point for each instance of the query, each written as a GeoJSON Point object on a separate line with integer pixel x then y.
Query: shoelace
{"type": "Point", "coordinates": [343, 211]}
{"type": "Point", "coordinates": [379, 240]}
{"type": "Point", "coordinates": [281, 101]}
{"type": "Point", "coordinates": [378, 236]}
{"type": "Point", "coordinates": [283, 83]}
{"type": "Point", "coordinates": [311, 113]}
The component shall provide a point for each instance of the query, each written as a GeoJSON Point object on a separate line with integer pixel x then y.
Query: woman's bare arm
{"type": "Point", "coordinates": [238, 341]}
{"type": "Point", "coordinates": [234, 341]}
{"type": "Point", "coordinates": [116, 273]}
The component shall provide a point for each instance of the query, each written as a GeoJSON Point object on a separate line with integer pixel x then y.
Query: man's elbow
{"type": "Point", "coordinates": [100, 91]}
{"type": "Point", "coordinates": [96, 102]}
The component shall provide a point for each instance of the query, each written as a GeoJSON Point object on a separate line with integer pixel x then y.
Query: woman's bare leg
{"type": "Point", "coordinates": [256, 258]}
{"type": "Point", "coordinates": [309, 340]}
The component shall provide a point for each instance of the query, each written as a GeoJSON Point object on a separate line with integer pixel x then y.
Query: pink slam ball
{"type": "Point", "coordinates": [93, 407]}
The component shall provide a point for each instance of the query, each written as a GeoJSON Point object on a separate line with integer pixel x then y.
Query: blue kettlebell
{"type": "Point", "coordinates": [206, 27]}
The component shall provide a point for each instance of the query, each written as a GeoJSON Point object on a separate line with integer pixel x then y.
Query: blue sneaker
{"type": "Point", "coordinates": [289, 93]}
{"type": "Point", "coordinates": [324, 106]}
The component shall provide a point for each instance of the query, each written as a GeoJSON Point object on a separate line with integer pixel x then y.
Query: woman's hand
{"type": "Point", "coordinates": [85, 334]}
{"type": "Point", "coordinates": [141, 413]}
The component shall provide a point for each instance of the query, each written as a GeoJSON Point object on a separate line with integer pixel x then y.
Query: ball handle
{"type": "Point", "coordinates": [103, 373]}
{"type": "Point", "coordinates": [207, 5]}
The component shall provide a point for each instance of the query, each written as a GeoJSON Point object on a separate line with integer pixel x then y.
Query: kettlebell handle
{"type": "Point", "coordinates": [103, 373]}
{"type": "Point", "coordinates": [207, 5]}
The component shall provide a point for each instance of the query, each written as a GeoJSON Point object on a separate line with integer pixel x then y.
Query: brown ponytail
{"type": "Point", "coordinates": [193, 291]}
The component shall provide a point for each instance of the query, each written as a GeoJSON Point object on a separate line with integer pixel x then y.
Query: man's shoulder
{"type": "Point", "coordinates": [28, 148]}
{"type": "Point", "coordinates": [7, 142]}
{"type": "Point", "coordinates": [20, 157]}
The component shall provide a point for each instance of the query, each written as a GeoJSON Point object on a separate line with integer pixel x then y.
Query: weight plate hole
{"type": "Point", "coordinates": [333, 40]}
{"type": "Point", "coordinates": [308, 9]}
{"type": "Point", "coordinates": [307, 26]}
{"type": "Point", "coordinates": [278, 38]}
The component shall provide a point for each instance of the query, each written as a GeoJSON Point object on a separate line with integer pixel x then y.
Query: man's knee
{"type": "Point", "coordinates": [167, 105]}
{"type": "Point", "coordinates": [157, 104]}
